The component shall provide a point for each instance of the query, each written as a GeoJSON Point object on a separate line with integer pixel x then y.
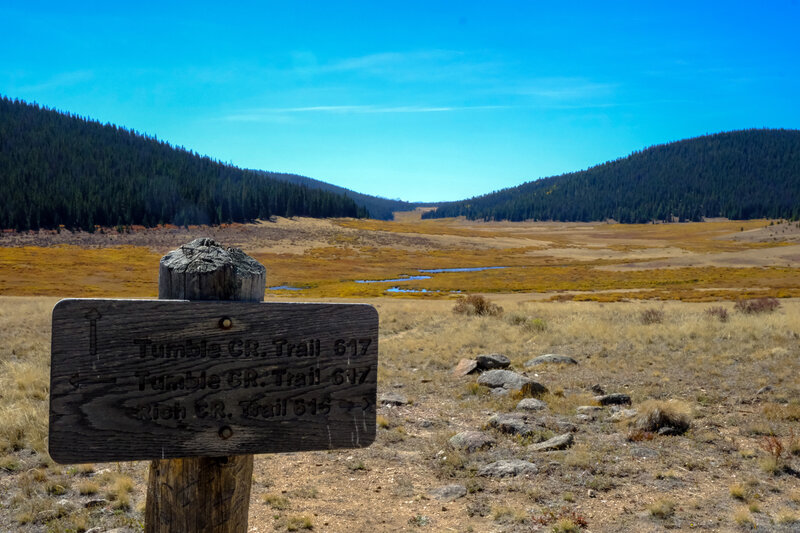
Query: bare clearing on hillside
{"type": "Point", "coordinates": [734, 375]}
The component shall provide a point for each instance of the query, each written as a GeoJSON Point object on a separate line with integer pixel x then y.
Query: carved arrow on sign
{"type": "Point", "coordinates": [93, 315]}
{"type": "Point", "coordinates": [76, 381]}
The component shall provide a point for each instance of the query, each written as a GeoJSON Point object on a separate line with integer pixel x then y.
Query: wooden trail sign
{"type": "Point", "coordinates": [156, 379]}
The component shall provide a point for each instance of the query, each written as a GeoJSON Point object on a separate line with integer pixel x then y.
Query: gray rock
{"type": "Point", "coordinates": [584, 418]}
{"type": "Point", "coordinates": [448, 493]}
{"type": "Point", "coordinates": [643, 453]}
{"type": "Point", "coordinates": [510, 380]}
{"type": "Point", "coordinates": [465, 366]}
{"type": "Point", "coordinates": [597, 389]}
{"type": "Point", "coordinates": [531, 404]}
{"type": "Point", "coordinates": [499, 392]}
{"type": "Point", "coordinates": [65, 506]}
{"type": "Point", "coordinates": [623, 414]}
{"type": "Point", "coordinates": [764, 390]}
{"type": "Point", "coordinates": [551, 358]}
{"type": "Point", "coordinates": [492, 360]}
{"type": "Point", "coordinates": [556, 443]}
{"type": "Point", "coordinates": [506, 379]}
{"type": "Point", "coordinates": [616, 398]}
{"type": "Point", "coordinates": [471, 441]}
{"type": "Point", "coordinates": [513, 424]}
{"type": "Point", "coordinates": [560, 424]}
{"type": "Point", "coordinates": [97, 502]}
{"type": "Point", "coordinates": [508, 468]}
{"type": "Point", "coordinates": [46, 515]}
{"type": "Point", "coordinates": [669, 431]}
{"type": "Point", "coordinates": [588, 409]}
{"type": "Point", "coordinates": [393, 399]}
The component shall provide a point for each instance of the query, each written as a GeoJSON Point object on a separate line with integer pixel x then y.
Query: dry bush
{"type": "Point", "coordinates": [662, 508]}
{"type": "Point", "coordinates": [656, 414]}
{"type": "Point", "coordinates": [757, 305]}
{"type": "Point", "coordinates": [563, 520]}
{"type": "Point", "coordinates": [475, 304]}
{"type": "Point", "coordinates": [718, 312]}
{"type": "Point", "coordinates": [652, 316]}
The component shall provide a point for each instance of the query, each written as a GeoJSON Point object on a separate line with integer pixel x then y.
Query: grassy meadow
{"type": "Point", "coordinates": [651, 311]}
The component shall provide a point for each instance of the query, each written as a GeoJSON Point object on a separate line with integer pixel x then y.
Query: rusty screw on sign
{"type": "Point", "coordinates": [225, 323]}
{"type": "Point", "coordinates": [225, 432]}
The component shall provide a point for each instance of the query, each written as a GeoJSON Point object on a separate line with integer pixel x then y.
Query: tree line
{"type": "Point", "coordinates": [742, 174]}
{"type": "Point", "coordinates": [61, 169]}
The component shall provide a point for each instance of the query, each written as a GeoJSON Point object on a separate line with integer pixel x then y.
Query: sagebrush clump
{"type": "Point", "coordinates": [655, 415]}
{"type": "Point", "coordinates": [475, 304]}
{"type": "Point", "coordinates": [757, 305]}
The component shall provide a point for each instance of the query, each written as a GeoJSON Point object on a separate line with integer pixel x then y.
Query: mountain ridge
{"type": "Point", "coordinates": [741, 174]}
{"type": "Point", "coordinates": [60, 169]}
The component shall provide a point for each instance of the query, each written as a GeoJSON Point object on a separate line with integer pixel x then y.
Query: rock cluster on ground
{"type": "Point", "coordinates": [471, 441]}
{"type": "Point", "coordinates": [551, 358]}
{"type": "Point", "coordinates": [507, 468]}
{"type": "Point", "coordinates": [616, 398]}
{"type": "Point", "coordinates": [448, 493]}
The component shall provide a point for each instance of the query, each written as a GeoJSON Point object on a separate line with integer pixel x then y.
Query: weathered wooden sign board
{"type": "Point", "coordinates": [152, 379]}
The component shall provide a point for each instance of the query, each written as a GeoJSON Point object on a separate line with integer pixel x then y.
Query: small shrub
{"type": "Point", "coordinates": [788, 517]}
{"type": "Point", "coordinates": [655, 415]}
{"type": "Point", "coordinates": [122, 502]}
{"type": "Point", "coordinates": [382, 422]}
{"type": "Point", "coordinates": [505, 514]}
{"type": "Point", "coordinates": [777, 450]}
{"type": "Point", "coordinates": [738, 491]}
{"type": "Point", "coordinates": [537, 324]}
{"type": "Point", "coordinates": [87, 488]}
{"type": "Point", "coordinates": [757, 305]}
{"type": "Point", "coordinates": [718, 312]}
{"type": "Point", "coordinates": [639, 435]}
{"type": "Point", "coordinates": [276, 501]}
{"type": "Point", "coordinates": [9, 463]}
{"type": "Point", "coordinates": [662, 508]}
{"type": "Point", "coordinates": [475, 304]}
{"type": "Point", "coordinates": [55, 488]}
{"type": "Point", "coordinates": [651, 316]}
{"type": "Point", "coordinates": [563, 520]}
{"type": "Point", "coordinates": [296, 523]}
{"type": "Point", "coordinates": [566, 525]}
{"type": "Point", "coordinates": [419, 520]}
{"type": "Point", "coordinates": [516, 319]}
{"type": "Point", "coordinates": [743, 518]}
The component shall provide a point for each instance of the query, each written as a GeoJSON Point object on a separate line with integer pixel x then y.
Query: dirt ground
{"type": "Point", "coordinates": [736, 380]}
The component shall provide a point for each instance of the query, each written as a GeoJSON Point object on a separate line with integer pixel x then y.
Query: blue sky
{"type": "Point", "coordinates": [414, 100]}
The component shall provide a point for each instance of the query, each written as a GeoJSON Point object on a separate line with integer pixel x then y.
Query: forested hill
{"type": "Point", "coordinates": [57, 169]}
{"type": "Point", "coordinates": [378, 207]}
{"type": "Point", "coordinates": [739, 175]}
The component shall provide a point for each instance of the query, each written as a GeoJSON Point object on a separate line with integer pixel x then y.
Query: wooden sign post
{"type": "Point", "coordinates": [200, 386]}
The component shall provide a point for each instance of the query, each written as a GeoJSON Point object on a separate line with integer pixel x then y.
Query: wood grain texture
{"type": "Point", "coordinates": [199, 494]}
{"type": "Point", "coordinates": [202, 493]}
{"type": "Point", "coordinates": [204, 270]}
{"type": "Point", "coordinates": [168, 379]}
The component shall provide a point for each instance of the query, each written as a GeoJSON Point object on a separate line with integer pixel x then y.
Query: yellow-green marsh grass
{"type": "Point", "coordinates": [694, 261]}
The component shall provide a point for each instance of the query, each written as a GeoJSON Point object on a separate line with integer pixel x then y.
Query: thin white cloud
{"type": "Point", "coordinates": [566, 89]}
{"type": "Point", "coordinates": [268, 113]}
{"type": "Point", "coordinates": [63, 79]}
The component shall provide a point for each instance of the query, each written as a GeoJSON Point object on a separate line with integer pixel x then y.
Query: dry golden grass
{"type": "Point", "coordinates": [713, 368]}
{"type": "Point", "coordinates": [688, 357]}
